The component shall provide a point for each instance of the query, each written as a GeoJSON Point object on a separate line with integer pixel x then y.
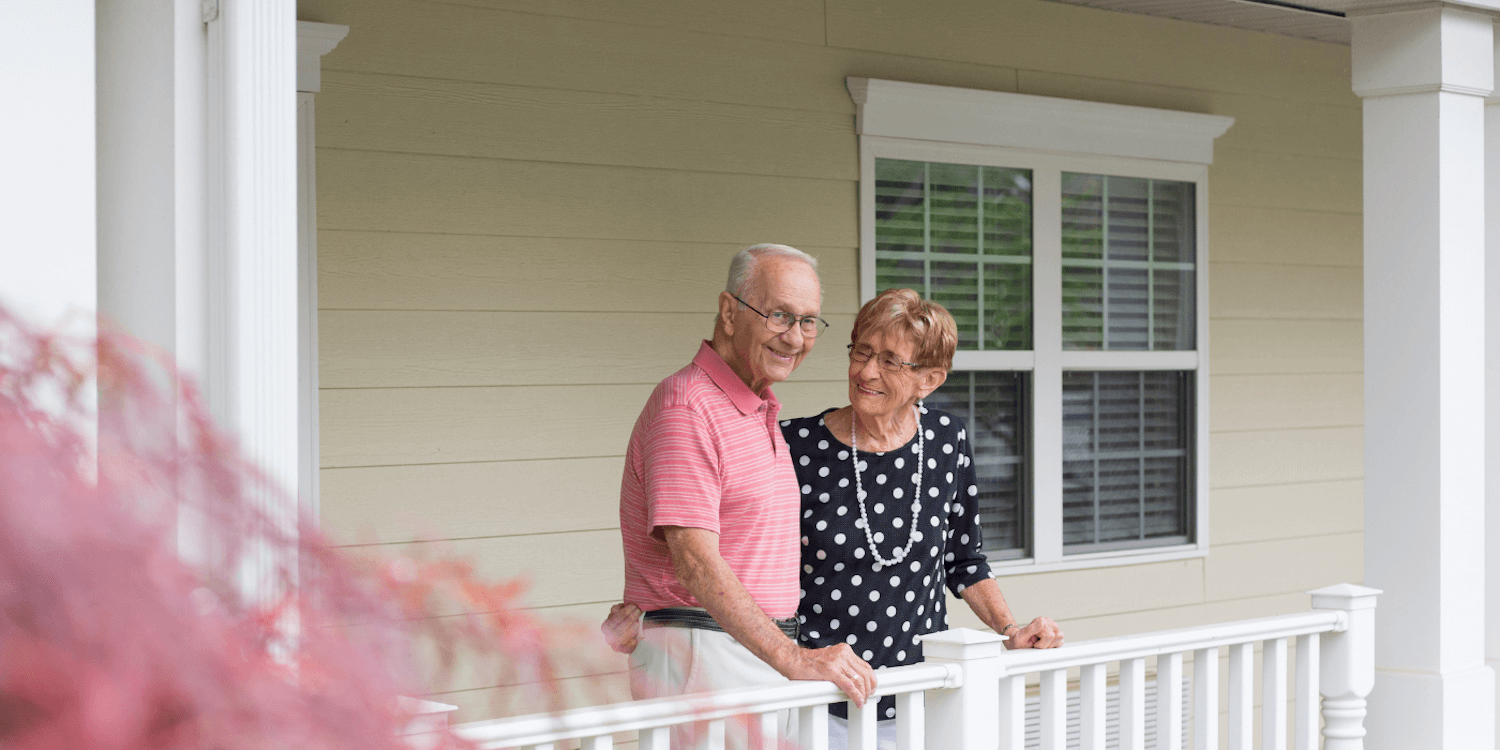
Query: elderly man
{"type": "Point", "coordinates": [709, 501]}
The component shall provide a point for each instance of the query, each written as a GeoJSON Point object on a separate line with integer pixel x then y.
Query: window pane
{"type": "Point", "coordinates": [961, 236]}
{"type": "Point", "coordinates": [1127, 459]}
{"type": "Point", "coordinates": [1129, 249]}
{"type": "Point", "coordinates": [993, 406]}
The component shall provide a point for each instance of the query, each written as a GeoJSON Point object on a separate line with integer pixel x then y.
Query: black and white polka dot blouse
{"type": "Point", "coordinates": [846, 598]}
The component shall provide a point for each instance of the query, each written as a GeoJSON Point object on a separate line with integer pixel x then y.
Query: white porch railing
{"type": "Point", "coordinates": [970, 694]}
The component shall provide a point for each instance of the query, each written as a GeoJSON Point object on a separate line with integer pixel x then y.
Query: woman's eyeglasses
{"type": "Point", "coordinates": [887, 361]}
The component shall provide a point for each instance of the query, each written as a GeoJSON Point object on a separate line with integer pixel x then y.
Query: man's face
{"type": "Point", "coordinates": [764, 357]}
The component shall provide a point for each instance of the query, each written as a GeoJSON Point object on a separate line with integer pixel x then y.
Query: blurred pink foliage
{"type": "Point", "coordinates": [111, 638]}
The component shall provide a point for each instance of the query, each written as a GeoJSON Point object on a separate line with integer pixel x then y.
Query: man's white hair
{"type": "Point", "coordinates": [742, 266]}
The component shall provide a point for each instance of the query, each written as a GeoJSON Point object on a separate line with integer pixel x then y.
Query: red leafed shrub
{"type": "Point", "coordinates": [158, 592]}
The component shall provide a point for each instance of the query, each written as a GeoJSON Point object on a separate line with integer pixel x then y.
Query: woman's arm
{"type": "Point", "coordinates": [989, 604]}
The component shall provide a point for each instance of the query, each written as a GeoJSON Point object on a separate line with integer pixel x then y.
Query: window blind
{"type": "Point", "coordinates": [1128, 271]}
{"type": "Point", "coordinates": [1127, 468]}
{"type": "Point", "coordinates": [993, 405]}
{"type": "Point", "coordinates": [960, 235]}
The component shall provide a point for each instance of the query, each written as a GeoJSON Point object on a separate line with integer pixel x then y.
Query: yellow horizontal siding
{"type": "Point", "coordinates": [456, 195]}
{"type": "Point", "coordinates": [1306, 401]}
{"type": "Point", "coordinates": [1245, 347]}
{"type": "Point", "coordinates": [459, 118]}
{"type": "Point", "coordinates": [1249, 514]}
{"type": "Point", "coordinates": [1253, 459]}
{"type": "Point", "coordinates": [452, 501]}
{"type": "Point", "coordinates": [1256, 290]}
{"type": "Point", "coordinates": [365, 270]}
{"type": "Point", "coordinates": [1289, 237]}
{"type": "Point", "coordinates": [1282, 566]}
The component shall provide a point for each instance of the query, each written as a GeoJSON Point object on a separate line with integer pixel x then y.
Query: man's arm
{"type": "Point", "coordinates": [986, 600]}
{"type": "Point", "coordinates": [700, 568]}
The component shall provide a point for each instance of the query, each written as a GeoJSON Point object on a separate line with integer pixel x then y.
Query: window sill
{"type": "Point", "coordinates": [1114, 558]}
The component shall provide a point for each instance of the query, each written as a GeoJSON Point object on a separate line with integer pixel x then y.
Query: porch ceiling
{"type": "Point", "coordinates": [1303, 20]}
{"type": "Point", "coordinates": [1321, 20]}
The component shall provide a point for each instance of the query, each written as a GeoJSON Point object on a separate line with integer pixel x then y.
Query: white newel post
{"type": "Point", "coordinates": [1346, 664]}
{"type": "Point", "coordinates": [1423, 72]}
{"type": "Point", "coordinates": [964, 718]}
{"type": "Point", "coordinates": [252, 374]}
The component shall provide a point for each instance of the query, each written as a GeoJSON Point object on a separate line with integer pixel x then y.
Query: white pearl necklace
{"type": "Point", "coordinates": [859, 489]}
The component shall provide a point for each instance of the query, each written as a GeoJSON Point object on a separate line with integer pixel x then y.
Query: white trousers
{"type": "Point", "coordinates": [677, 661]}
{"type": "Point", "coordinates": [838, 734]}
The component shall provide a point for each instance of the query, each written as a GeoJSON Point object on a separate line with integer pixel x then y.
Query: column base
{"type": "Point", "coordinates": [1453, 711]}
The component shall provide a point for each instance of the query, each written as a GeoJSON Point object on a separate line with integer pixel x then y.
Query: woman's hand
{"type": "Point", "coordinates": [622, 629]}
{"type": "Point", "coordinates": [1039, 633]}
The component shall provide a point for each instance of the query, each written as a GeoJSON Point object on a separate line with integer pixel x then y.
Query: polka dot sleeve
{"type": "Point", "coordinates": [964, 561]}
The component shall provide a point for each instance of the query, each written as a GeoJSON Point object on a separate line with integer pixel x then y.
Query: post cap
{"type": "Point", "coordinates": [1345, 596]}
{"type": "Point", "coordinates": [961, 643]}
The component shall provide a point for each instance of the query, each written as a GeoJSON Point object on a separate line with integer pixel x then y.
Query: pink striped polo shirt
{"type": "Point", "coordinates": [707, 453]}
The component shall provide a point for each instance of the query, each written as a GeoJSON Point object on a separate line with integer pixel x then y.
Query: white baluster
{"type": "Point", "coordinates": [911, 721]}
{"type": "Point", "coordinates": [1133, 704]}
{"type": "Point", "coordinates": [715, 731]}
{"type": "Point", "coordinates": [1206, 699]}
{"type": "Point", "coordinates": [962, 718]}
{"type": "Point", "coordinates": [862, 725]}
{"type": "Point", "coordinates": [1169, 702]}
{"type": "Point", "coordinates": [1241, 696]}
{"type": "Point", "coordinates": [542, 746]}
{"type": "Point", "coordinates": [1091, 708]}
{"type": "Point", "coordinates": [1307, 692]}
{"type": "Point", "coordinates": [1013, 712]}
{"type": "Point", "coordinates": [603, 742]}
{"type": "Point", "coordinates": [1055, 709]}
{"type": "Point", "coordinates": [767, 726]}
{"type": "Point", "coordinates": [1273, 695]}
{"type": "Point", "coordinates": [655, 738]}
{"type": "Point", "coordinates": [1346, 664]}
{"type": "Point", "coordinates": [812, 727]}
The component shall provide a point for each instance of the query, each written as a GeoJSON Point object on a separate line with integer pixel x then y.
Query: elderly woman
{"type": "Point", "coordinates": [889, 508]}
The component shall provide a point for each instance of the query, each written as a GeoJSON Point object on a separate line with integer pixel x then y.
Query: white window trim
{"type": "Point", "coordinates": [1050, 136]}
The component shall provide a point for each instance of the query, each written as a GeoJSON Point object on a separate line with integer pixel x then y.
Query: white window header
{"type": "Point", "coordinates": [1042, 123]}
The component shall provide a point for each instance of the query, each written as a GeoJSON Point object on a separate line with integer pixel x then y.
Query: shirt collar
{"type": "Point", "coordinates": [724, 377]}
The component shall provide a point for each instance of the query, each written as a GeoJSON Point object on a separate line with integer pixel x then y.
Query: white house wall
{"type": "Point", "coordinates": [525, 210]}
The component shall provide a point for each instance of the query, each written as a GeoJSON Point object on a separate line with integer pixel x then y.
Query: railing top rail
{"type": "Point", "coordinates": [658, 712]}
{"type": "Point", "coordinates": [1172, 641]}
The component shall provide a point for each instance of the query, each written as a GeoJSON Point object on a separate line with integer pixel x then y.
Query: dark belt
{"type": "Point", "coordinates": [683, 617]}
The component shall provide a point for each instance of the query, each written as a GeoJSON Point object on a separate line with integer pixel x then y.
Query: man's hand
{"type": "Point", "coordinates": [1040, 633]}
{"type": "Point", "coordinates": [838, 665]}
{"type": "Point", "coordinates": [622, 629]}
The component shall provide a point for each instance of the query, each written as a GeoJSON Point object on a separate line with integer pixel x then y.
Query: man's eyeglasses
{"type": "Point", "coordinates": [781, 322]}
{"type": "Point", "coordinates": [887, 361]}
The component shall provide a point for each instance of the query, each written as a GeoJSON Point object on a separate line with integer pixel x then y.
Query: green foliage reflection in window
{"type": "Point", "coordinates": [960, 235]}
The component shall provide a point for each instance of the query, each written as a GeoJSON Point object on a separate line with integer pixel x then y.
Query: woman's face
{"type": "Point", "coordinates": [875, 392]}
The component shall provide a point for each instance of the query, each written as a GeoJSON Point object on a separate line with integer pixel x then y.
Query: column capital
{"type": "Point", "coordinates": [1422, 48]}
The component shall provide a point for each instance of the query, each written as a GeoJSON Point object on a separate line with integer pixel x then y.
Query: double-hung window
{"type": "Point", "coordinates": [1068, 241]}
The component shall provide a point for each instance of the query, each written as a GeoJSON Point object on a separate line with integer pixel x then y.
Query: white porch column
{"type": "Point", "coordinates": [152, 172]}
{"type": "Point", "coordinates": [1492, 373]}
{"type": "Point", "coordinates": [1423, 73]}
{"type": "Point", "coordinates": [252, 240]}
